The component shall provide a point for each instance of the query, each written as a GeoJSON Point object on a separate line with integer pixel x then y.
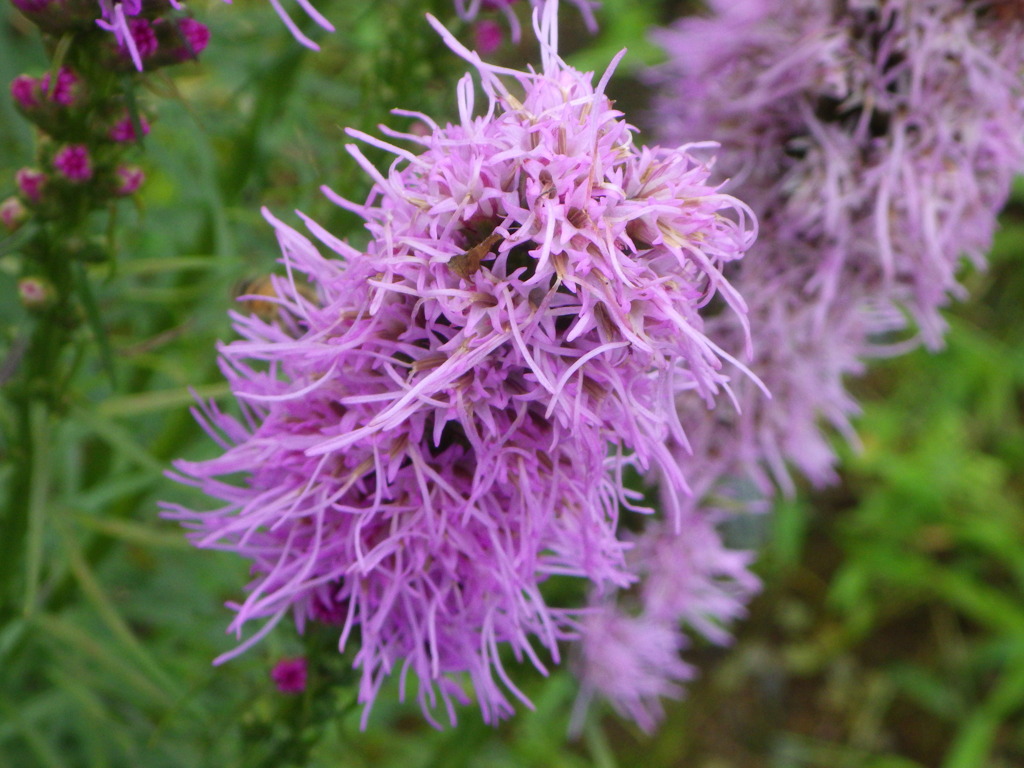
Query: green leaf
{"type": "Point", "coordinates": [92, 315]}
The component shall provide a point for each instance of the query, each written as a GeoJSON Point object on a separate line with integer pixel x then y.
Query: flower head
{"type": "Point", "coordinates": [441, 422]}
{"type": "Point", "coordinates": [129, 179]}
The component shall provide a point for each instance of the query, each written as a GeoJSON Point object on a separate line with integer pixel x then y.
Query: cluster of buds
{"type": "Point", "coordinates": [85, 131]}
{"type": "Point", "coordinates": [146, 33]}
{"type": "Point", "coordinates": [86, 117]}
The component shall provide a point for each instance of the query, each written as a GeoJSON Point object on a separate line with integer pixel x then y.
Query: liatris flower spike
{"type": "Point", "coordinates": [441, 423]}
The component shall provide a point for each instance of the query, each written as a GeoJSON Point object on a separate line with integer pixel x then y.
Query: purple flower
{"type": "Point", "coordinates": [630, 648]}
{"type": "Point", "coordinates": [440, 423]}
{"type": "Point", "coordinates": [73, 163]}
{"type": "Point", "coordinates": [876, 143]}
{"type": "Point", "coordinates": [289, 675]}
{"type": "Point", "coordinates": [877, 146]}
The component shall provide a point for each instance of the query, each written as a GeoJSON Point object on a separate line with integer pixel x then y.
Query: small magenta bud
{"type": "Point", "coordinates": [25, 91]}
{"type": "Point", "coordinates": [35, 292]}
{"type": "Point", "coordinates": [129, 179]}
{"type": "Point", "coordinates": [73, 163]}
{"type": "Point", "coordinates": [66, 91]}
{"type": "Point", "coordinates": [195, 36]}
{"type": "Point", "coordinates": [12, 214]}
{"type": "Point", "coordinates": [487, 36]}
{"type": "Point", "coordinates": [144, 35]}
{"type": "Point", "coordinates": [289, 675]}
{"type": "Point", "coordinates": [124, 129]}
{"type": "Point", "coordinates": [31, 184]}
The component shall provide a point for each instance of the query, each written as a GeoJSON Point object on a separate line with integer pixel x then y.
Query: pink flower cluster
{"type": "Point", "coordinates": [436, 426]}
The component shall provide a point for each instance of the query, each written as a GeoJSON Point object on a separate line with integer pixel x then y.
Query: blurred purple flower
{"type": "Point", "coordinates": [630, 647]}
{"type": "Point", "coordinates": [876, 142]}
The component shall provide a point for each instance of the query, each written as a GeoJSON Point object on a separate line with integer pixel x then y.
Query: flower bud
{"type": "Point", "coordinates": [73, 163]}
{"type": "Point", "coordinates": [194, 36]}
{"type": "Point", "coordinates": [12, 214]}
{"type": "Point", "coordinates": [129, 179]}
{"type": "Point", "coordinates": [67, 89]}
{"type": "Point", "coordinates": [31, 184]}
{"type": "Point", "coordinates": [26, 92]}
{"type": "Point", "coordinates": [123, 131]}
{"type": "Point", "coordinates": [487, 36]}
{"type": "Point", "coordinates": [289, 675]}
{"type": "Point", "coordinates": [35, 292]}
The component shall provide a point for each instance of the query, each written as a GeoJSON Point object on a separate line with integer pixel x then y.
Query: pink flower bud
{"type": "Point", "coordinates": [12, 214]}
{"type": "Point", "coordinates": [25, 91]}
{"type": "Point", "coordinates": [124, 129]}
{"type": "Point", "coordinates": [31, 184]}
{"type": "Point", "coordinates": [195, 36]}
{"type": "Point", "coordinates": [73, 163]}
{"type": "Point", "coordinates": [144, 35]}
{"type": "Point", "coordinates": [289, 675]}
{"type": "Point", "coordinates": [34, 292]}
{"type": "Point", "coordinates": [129, 178]}
{"type": "Point", "coordinates": [65, 92]}
{"type": "Point", "coordinates": [487, 36]}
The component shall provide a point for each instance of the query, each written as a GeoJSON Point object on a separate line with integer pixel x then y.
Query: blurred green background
{"type": "Point", "coordinates": [890, 633]}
